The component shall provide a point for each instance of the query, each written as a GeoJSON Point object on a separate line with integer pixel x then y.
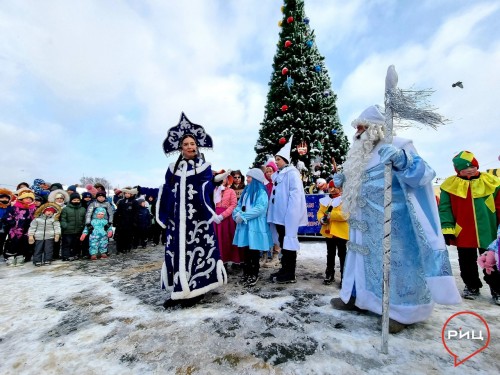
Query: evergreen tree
{"type": "Point", "coordinates": [300, 101]}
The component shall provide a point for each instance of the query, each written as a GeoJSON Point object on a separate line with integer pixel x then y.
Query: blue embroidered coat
{"type": "Point", "coordinates": [192, 264]}
{"type": "Point", "coordinates": [420, 268]}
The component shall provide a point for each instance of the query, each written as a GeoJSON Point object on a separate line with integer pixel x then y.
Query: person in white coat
{"type": "Point", "coordinates": [287, 211]}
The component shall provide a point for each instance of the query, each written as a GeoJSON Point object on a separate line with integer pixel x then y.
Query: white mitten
{"type": "Point", "coordinates": [238, 219]}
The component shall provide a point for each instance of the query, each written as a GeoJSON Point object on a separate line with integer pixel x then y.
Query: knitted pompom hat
{"type": "Point", "coordinates": [91, 189]}
{"type": "Point", "coordinates": [271, 163]}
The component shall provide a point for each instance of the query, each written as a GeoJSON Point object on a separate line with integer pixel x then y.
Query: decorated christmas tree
{"type": "Point", "coordinates": [301, 102]}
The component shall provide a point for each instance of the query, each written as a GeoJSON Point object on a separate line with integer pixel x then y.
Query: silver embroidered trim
{"type": "Point", "coordinates": [360, 225]}
{"type": "Point", "coordinates": [351, 246]}
{"type": "Point", "coordinates": [362, 201]}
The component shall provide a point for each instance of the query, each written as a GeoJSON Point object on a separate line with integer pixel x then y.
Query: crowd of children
{"type": "Point", "coordinates": [42, 223]}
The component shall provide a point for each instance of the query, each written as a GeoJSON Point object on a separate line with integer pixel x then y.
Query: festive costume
{"type": "Point", "coordinates": [469, 210]}
{"type": "Point", "coordinates": [225, 202]}
{"type": "Point", "coordinates": [420, 269]}
{"type": "Point", "coordinates": [192, 264]}
{"type": "Point", "coordinates": [336, 231]}
{"type": "Point", "coordinates": [287, 211]}
{"type": "Point", "coordinates": [252, 231]}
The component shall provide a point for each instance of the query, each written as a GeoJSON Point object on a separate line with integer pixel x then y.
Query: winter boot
{"type": "Point", "coordinates": [273, 262]}
{"type": "Point", "coordinates": [394, 325]}
{"type": "Point", "coordinates": [470, 293]}
{"type": "Point", "coordinates": [495, 296]}
{"type": "Point", "coordinates": [281, 271]}
{"type": "Point", "coordinates": [289, 260]}
{"type": "Point", "coordinates": [190, 302]}
{"type": "Point", "coordinates": [11, 261]}
{"type": "Point", "coordinates": [19, 261]}
{"type": "Point", "coordinates": [263, 259]}
{"type": "Point", "coordinates": [329, 277]}
{"type": "Point", "coordinates": [251, 281]}
{"type": "Point", "coordinates": [338, 304]}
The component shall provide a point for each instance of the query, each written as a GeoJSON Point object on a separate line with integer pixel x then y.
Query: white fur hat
{"type": "Point", "coordinates": [373, 115]}
{"type": "Point", "coordinates": [56, 193]}
{"type": "Point", "coordinates": [130, 190]}
{"type": "Point", "coordinates": [284, 153]}
{"type": "Point", "coordinates": [257, 174]}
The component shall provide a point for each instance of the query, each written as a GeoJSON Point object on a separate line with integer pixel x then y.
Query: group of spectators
{"type": "Point", "coordinates": [44, 222]}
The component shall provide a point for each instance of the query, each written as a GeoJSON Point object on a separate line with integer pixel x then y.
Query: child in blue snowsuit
{"type": "Point", "coordinates": [98, 239]}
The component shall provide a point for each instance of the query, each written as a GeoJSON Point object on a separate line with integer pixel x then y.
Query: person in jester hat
{"type": "Point", "coordinates": [192, 264]}
{"type": "Point", "coordinates": [469, 210]}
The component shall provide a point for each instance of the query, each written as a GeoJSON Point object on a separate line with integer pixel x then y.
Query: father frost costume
{"type": "Point", "coordinates": [420, 269]}
{"type": "Point", "coordinates": [192, 264]}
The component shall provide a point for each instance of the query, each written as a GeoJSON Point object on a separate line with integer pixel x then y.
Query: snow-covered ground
{"type": "Point", "coordinates": [106, 317]}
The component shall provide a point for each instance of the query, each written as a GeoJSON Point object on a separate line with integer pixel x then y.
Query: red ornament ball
{"type": "Point", "coordinates": [284, 71]}
{"type": "Point", "coordinates": [289, 19]}
{"type": "Point", "coordinates": [288, 44]}
{"type": "Point", "coordinates": [282, 140]}
{"type": "Point", "coordinates": [284, 108]}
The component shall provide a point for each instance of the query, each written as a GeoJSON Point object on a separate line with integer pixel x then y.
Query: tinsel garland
{"type": "Point", "coordinates": [412, 105]}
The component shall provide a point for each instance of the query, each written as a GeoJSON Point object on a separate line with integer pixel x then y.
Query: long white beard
{"type": "Point", "coordinates": [358, 157]}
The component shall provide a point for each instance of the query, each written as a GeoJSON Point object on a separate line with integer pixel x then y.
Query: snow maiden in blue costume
{"type": "Point", "coordinates": [420, 269]}
{"type": "Point", "coordinates": [192, 264]}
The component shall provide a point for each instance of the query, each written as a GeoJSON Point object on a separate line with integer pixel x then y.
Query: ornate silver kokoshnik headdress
{"type": "Point", "coordinates": [172, 144]}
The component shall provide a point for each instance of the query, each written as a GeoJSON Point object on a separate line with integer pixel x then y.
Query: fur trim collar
{"type": "Point", "coordinates": [39, 210]}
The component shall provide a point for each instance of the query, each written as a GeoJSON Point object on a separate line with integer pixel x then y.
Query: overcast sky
{"type": "Point", "coordinates": [90, 88]}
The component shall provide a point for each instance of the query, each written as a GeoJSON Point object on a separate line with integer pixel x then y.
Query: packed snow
{"type": "Point", "coordinates": [106, 317]}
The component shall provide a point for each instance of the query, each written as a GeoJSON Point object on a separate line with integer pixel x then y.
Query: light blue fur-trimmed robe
{"type": "Point", "coordinates": [192, 264]}
{"type": "Point", "coordinates": [420, 268]}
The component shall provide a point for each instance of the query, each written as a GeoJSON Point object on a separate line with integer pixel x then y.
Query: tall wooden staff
{"type": "Point", "coordinates": [402, 105]}
{"type": "Point", "coordinates": [391, 81]}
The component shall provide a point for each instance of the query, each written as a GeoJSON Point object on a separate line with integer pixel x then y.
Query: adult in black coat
{"type": "Point", "coordinates": [125, 220]}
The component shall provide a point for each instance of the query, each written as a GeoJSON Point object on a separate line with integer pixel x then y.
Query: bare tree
{"type": "Point", "coordinates": [94, 180]}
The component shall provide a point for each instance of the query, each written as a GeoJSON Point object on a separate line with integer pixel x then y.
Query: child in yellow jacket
{"type": "Point", "coordinates": [335, 229]}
